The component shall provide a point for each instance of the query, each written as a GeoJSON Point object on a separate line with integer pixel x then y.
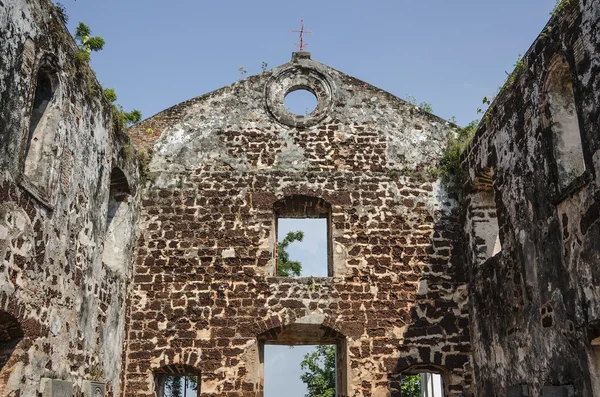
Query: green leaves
{"type": "Point", "coordinates": [285, 266]}
{"type": "Point", "coordinates": [319, 375]}
{"type": "Point", "coordinates": [82, 30]}
{"type": "Point", "coordinates": [426, 107]}
{"type": "Point", "coordinates": [110, 94]}
{"type": "Point", "coordinates": [95, 43]}
{"type": "Point", "coordinates": [86, 43]}
{"type": "Point", "coordinates": [451, 172]}
{"type": "Point", "coordinates": [319, 371]}
{"type": "Point", "coordinates": [560, 4]}
{"type": "Point", "coordinates": [62, 12]}
{"type": "Point", "coordinates": [133, 116]}
{"type": "Point", "coordinates": [242, 72]}
{"type": "Point", "coordinates": [411, 386]}
{"type": "Point", "coordinates": [122, 118]}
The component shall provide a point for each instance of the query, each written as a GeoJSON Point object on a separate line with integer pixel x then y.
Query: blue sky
{"type": "Point", "coordinates": [447, 53]}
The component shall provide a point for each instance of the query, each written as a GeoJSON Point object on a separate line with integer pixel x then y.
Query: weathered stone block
{"type": "Point", "coordinates": [558, 391]}
{"type": "Point", "coordinates": [93, 389]}
{"type": "Point", "coordinates": [517, 391]}
{"type": "Point", "coordinates": [56, 388]}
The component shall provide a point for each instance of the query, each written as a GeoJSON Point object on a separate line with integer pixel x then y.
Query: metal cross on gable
{"type": "Point", "coordinates": [301, 45]}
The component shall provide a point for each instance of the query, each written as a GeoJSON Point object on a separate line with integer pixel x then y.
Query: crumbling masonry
{"type": "Point", "coordinates": [127, 256]}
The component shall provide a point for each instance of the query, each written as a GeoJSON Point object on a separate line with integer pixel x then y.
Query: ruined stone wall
{"type": "Point", "coordinates": [62, 310]}
{"type": "Point", "coordinates": [205, 296]}
{"type": "Point", "coordinates": [535, 304]}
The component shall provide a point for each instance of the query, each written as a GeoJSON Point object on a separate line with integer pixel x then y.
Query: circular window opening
{"type": "Point", "coordinates": [300, 102]}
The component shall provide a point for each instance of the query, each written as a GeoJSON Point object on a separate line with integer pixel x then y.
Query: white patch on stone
{"type": "Point", "coordinates": [14, 380]}
{"type": "Point", "coordinates": [228, 253]}
{"type": "Point", "coordinates": [55, 324]}
{"type": "Point", "coordinates": [313, 318]}
{"type": "Point", "coordinates": [423, 288]}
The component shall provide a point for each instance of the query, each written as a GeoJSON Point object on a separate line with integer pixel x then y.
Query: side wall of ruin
{"type": "Point", "coordinates": [62, 309]}
{"type": "Point", "coordinates": [533, 187]}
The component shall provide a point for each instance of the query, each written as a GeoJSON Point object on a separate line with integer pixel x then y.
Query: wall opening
{"type": "Point", "coordinates": [300, 102]}
{"type": "Point", "coordinates": [177, 381]}
{"type": "Point", "coordinates": [289, 370]}
{"type": "Point", "coordinates": [561, 118]}
{"type": "Point", "coordinates": [302, 226]}
{"type": "Point", "coordinates": [40, 150]}
{"type": "Point", "coordinates": [118, 222]}
{"type": "Point", "coordinates": [483, 217]}
{"type": "Point", "coordinates": [11, 334]}
{"type": "Point", "coordinates": [422, 381]}
{"type": "Point", "coordinates": [283, 350]}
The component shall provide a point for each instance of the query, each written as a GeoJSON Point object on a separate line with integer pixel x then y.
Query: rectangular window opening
{"type": "Point", "coordinates": [176, 385]}
{"type": "Point", "coordinates": [422, 385]}
{"type": "Point", "coordinates": [304, 247]}
{"type": "Point", "coordinates": [284, 374]}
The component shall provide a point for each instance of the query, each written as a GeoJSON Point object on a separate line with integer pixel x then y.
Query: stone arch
{"type": "Point", "coordinates": [11, 334]}
{"type": "Point", "coordinates": [300, 206]}
{"type": "Point", "coordinates": [119, 219]}
{"type": "Point", "coordinates": [482, 217]}
{"type": "Point", "coordinates": [162, 374]}
{"type": "Point", "coordinates": [560, 118]}
{"type": "Point", "coordinates": [40, 150]}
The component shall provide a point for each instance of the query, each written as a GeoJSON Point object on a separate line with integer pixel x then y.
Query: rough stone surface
{"type": "Point", "coordinates": [108, 284]}
{"type": "Point", "coordinates": [66, 310]}
{"type": "Point", "coordinates": [205, 294]}
{"type": "Point", "coordinates": [535, 306]}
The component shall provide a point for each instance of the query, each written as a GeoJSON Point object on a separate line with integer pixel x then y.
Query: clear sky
{"type": "Point", "coordinates": [447, 53]}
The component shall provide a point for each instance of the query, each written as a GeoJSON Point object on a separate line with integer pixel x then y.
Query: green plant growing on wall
{"type": "Point", "coordinates": [242, 72]}
{"type": "Point", "coordinates": [121, 118]}
{"type": "Point", "coordinates": [86, 43]}
{"type": "Point", "coordinates": [62, 12]}
{"type": "Point", "coordinates": [144, 167]}
{"type": "Point", "coordinates": [411, 99]}
{"type": "Point", "coordinates": [110, 94]}
{"type": "Point", "coordinates": [450, 169]}
{"type": "Point", "coordinates": [485, 101]}
{"type": "Point", "coordinates": [512, 77]}
{"type": "Point", "coordinates": [426, 107]}
{"type": "Point", "coordinates": [264, 66]}
{"type": "Point", "coordinates": [560, 4]}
